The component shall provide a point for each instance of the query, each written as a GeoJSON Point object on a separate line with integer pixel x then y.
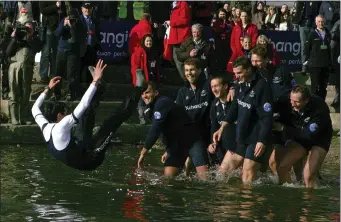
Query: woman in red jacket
{"type": "Point", "coordinates": [243, 28]}
{"type": "Point", "coordinates": [180, 30]}
{"type": "Point", "coordinates": [245, 51]}
{"type": "Point", "coordinates": [222, 29]}
{"type": "Point", "coordinates": [138, 31]}
{"type": "Point", "coordinates": [271, 51]}
{"type": "Point", "coordinates": [145, 59]}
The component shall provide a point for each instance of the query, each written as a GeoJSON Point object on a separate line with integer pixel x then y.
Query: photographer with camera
{"type": "Point", "coordinates": [72, 40]}
{"type": "Point", "coordinates": [21, 51]}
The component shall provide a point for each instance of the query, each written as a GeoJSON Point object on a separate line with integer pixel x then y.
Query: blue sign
{"type": "Point", "coordinates": [288, 46]}
{"type": "Point", "coordinates": [114, 35]}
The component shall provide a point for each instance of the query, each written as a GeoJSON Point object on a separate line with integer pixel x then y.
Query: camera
{"type": "Point", "coordinates": [74, 16]}
{"type": "Point", "coordinates": [21, 31]}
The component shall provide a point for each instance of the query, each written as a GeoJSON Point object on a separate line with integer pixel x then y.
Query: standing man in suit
{"type": "Point", "coordinates": [93, 40]}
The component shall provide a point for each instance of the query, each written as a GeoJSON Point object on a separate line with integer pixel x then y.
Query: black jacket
{"type": "Point", "coordinates": [280, 79]}
{"type": "Point", "coordinates": [316, 56]}
{"type": "Point", "coordinates": [311, 126]}
{"type": "Point", "coordinates": [172, 121]}
{"type": "Point", "coordinates": [15, 45]}
{"type": "Point", "coordinates": [252, 108]}
{"type": "Point", "coordinates": [197, 103]}
{"type": "Point", "coordinates": [96, 35]}
{"type": "Point", "coordinates": [217, 114]}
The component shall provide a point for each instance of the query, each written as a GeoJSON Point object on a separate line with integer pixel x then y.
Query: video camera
{"type": "Point", "coordinates": [74, 16]}
{"type": "Point", "coordinates": [21, 31]}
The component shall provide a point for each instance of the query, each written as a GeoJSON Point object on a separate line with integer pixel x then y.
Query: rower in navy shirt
{"type": "Point", "coordinates": [252, 108]}
{"type": "Point", "coordinates": [219, 109]}
{"type": "Point", "coordinates": [180, 136]}
{"type": "Point", "coordinates": [80, 150]}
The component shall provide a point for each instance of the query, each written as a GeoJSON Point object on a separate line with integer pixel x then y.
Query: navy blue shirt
{"type": "Point", "coordinates": [252, 109]}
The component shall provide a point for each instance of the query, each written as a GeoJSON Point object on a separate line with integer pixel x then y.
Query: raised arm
{"type": "Point", "coordinates": [36, 112]}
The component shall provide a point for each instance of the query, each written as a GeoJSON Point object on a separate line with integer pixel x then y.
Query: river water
{"type": "Point", "coordinates": [35, 187]}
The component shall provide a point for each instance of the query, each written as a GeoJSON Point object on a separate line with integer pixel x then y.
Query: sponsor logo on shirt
{"type": "Point", "coordinates": [198, 106]}
{"type": "Point", "coordinates": [244, 104]}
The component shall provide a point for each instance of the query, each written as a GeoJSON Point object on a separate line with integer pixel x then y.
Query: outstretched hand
{"type": "Point", "coordinates": [54, 81]}
{"type": "Point", "coordinates": [98, 73]}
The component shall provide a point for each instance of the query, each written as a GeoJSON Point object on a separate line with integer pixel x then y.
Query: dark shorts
{"type": "Point", "coordinates": [323, 144]}
{"type": "Point", "coordinates": [278, 138]}
{"type": "Point", "coordinates": [228, 138]}
{"type": "Point", "coordinates": [178, 153]}
{"type": "Point", "coordinates": [247, 151]}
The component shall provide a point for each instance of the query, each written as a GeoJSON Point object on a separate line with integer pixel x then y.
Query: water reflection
{"type": "Point", "coordinates": [35, 187]}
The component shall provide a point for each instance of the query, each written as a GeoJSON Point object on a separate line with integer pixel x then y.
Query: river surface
{"type": "Point", "coordinates": [35, 187]}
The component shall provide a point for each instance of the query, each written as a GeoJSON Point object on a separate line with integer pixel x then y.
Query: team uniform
{"type": "Point", "coordinates": [228, 140]}
{"type": "Point", "coordinates": [80, 150]}
{"type": "Point", "coordinates": [310, 127]}
{"type": "Point", "coordinates": [180, 136]}
{"type": "Point", "coordinates": [252, 109]}
{"type": "Point", "coordinates": [197, 103]}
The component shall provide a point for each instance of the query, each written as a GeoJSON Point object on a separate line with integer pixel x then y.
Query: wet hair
{"type": "Point", "coordinates": [303, 90]}
{"type": "Point", "coordinates": [192, 62]}
{"type": "Point", "coordinates": [152, 85]}
{"type": "Point", "coordinates": [52, 110]}
{"type": "Point", "coordinates": [242, 61]}
{"type": "Point", "coordinates": [260, 51]}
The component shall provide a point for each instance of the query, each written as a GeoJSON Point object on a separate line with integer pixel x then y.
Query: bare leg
{"type": "Point", "coordinates": [250, 169]}
{"type": "Point", "coordinates": [202, 172]}
{"type": "Point", "coordinates": [230, 162]}
{"type": "Point", "coordinates": [276, 157]}
{"type": "Point", "coordinates": [314, 163]}
{"type": "Point", "coordinates": [171, 172]}
{"type": "Point", "coordinates": [293, 154]}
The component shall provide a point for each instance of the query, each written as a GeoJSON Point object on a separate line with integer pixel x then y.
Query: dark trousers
{"type": "Point", "coordinates": [95, 146]}
{"type": "Point", "coordinates": [48, 54]}
{"type": "Point", "coordinates": [89, 59]}
{"type": "Point", "coordinates": [67, 66]}
{"type": "Point", "coordinates": [319, 81]}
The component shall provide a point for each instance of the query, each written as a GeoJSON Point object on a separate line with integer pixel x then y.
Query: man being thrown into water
{"type": "Point", "coordinates": [80, 150]}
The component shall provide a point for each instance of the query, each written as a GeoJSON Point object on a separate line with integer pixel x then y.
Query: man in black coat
{"type": "Point", "coordinates": [93, 40]}
{"type": "Point", "coordinates": [318, 55]}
